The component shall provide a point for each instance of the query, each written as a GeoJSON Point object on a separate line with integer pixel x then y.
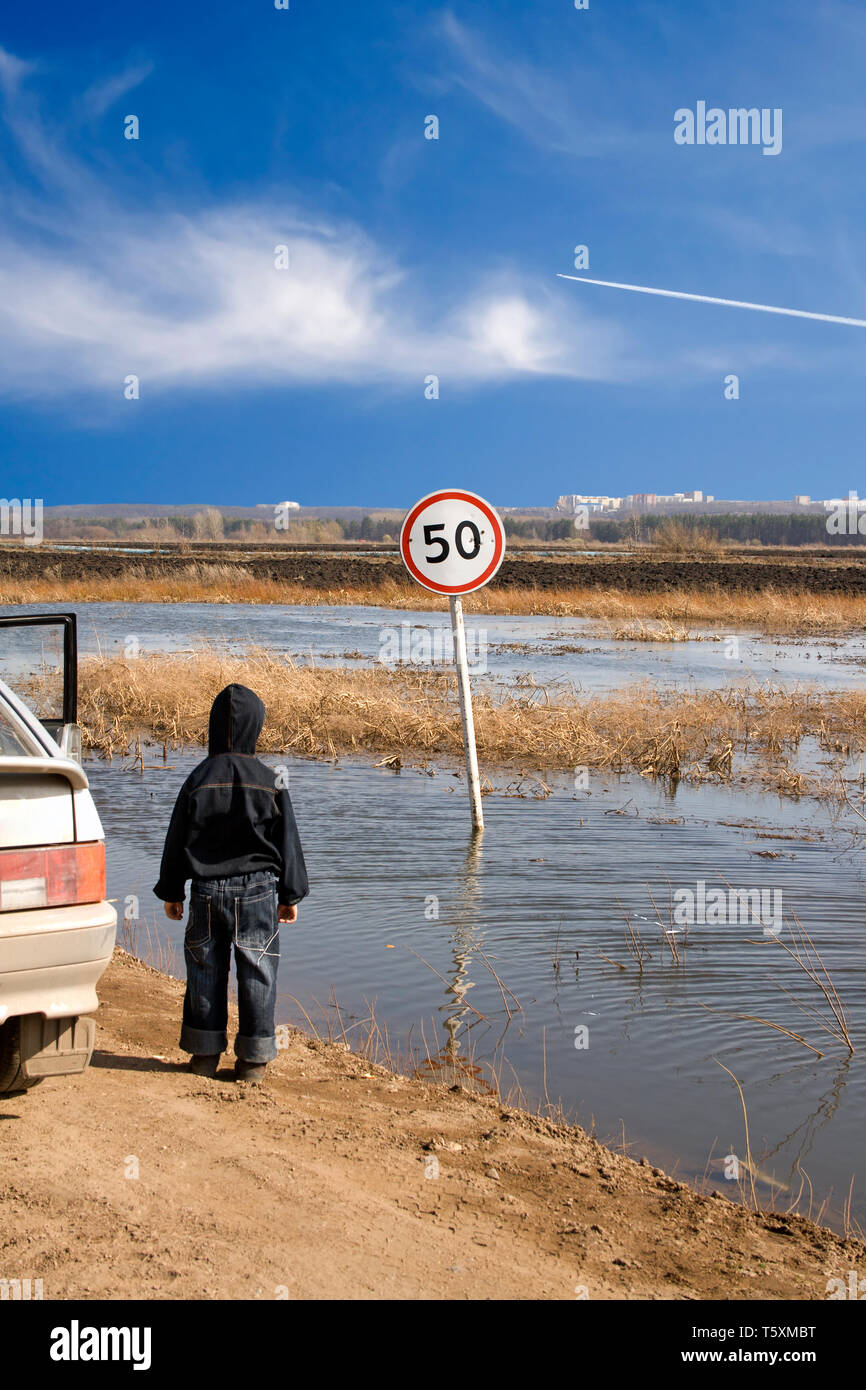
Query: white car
{"type": "Point", "coordinates": [57, 931]}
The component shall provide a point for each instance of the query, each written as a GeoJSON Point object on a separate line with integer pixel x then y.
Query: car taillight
{"type": "Point", "coordinates": [56, 876]}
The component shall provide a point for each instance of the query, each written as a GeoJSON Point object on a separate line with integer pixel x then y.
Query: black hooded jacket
{"type": "Point", "coordinates": [230, 816]}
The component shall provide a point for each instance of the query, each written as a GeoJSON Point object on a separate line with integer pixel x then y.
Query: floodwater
{"type": "Point", "coordinates": [407, 913]}
{"type": "Point", "coordinates": [502, 649]}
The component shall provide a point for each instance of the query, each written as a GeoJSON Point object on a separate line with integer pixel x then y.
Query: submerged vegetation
{"type": "Point", "coordinates": [744, 729]}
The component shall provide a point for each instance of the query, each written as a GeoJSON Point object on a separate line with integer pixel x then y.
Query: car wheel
{"type": "Point", "coordinates": [12, 1078]}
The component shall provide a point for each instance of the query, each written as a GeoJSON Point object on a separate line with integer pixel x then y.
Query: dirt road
{"type": "Point", "coordinates": [140, 1180]}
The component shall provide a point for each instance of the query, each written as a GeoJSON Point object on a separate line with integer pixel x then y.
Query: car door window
{"type": "Point", "coordinates": [31, 664]}
{"type": "Point", "coordinates": [12, 743]}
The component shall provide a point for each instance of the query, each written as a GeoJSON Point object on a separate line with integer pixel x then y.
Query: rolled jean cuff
{"type": "Point", "coordinates": [201, 1042]}
{"type": "Point", "coordinates": [255, 1049]}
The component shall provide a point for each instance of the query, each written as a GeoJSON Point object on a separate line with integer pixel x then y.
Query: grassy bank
{"type": "Point", "coordinates": [789, 611]}
{"type": "Point", "coordinates": [413, 714]}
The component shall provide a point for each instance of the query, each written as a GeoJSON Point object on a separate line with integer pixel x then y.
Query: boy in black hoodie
{"type": "Point", "coordinates": [233, 833]}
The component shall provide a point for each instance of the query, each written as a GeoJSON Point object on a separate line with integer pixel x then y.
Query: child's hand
{"type": "Point", "coordinates": [287, 914]}
{"type": "Point", "coordinates": [174, 911]}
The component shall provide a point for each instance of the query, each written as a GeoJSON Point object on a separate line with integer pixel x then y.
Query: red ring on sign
{"type": "Point", "coordinates": [453, 496]}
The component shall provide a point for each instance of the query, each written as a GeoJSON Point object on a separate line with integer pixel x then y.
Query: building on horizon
{"type": "Point", "coordinates": [572, 501]}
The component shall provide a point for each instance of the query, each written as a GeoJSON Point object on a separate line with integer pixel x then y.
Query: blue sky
{"type": "Point", "coordinates": [411, 257]}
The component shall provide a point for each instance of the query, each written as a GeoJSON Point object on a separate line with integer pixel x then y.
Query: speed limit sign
{"type": "Point", "coordinates": [452, 541]}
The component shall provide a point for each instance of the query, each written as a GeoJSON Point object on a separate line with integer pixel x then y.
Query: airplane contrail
{"type": "Point", "coordinates": [710, 299]}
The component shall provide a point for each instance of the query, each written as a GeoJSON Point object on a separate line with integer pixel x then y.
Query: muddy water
{"type": "Point", "coordinates": [543, 897]}
{"type": "Point", "coordinates": [502, 648]}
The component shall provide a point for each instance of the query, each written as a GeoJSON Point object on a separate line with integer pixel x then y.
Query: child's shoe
{"type": "Point", "coordinates": [250, 1071]}
{"type": "Point", "coordinates": [204, 1066]}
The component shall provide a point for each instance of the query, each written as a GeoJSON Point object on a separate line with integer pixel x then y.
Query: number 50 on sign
{"type": "Point", "coordinates": [452, 542]}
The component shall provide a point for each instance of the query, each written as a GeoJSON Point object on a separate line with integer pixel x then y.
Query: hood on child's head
{"type": "Point", "coordinates": [236, 718]}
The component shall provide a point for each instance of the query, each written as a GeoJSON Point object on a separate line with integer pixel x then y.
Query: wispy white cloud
{"type": "Point", "coordinates": [766, 235]}
{"type": "Point", "coordinates": [197, 300]}
{"type": "Point", "coordinates": [551, 109]}
{"type": "Point", "coordinates": [95, 285]}
{"type": "Point", "coordinates": [13, 71]}
{"type": "Point", "coordinates": [100, 97]}
{"type": "Point", "coordinates": [93, 288]}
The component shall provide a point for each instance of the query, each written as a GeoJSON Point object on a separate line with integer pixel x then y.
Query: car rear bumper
{"type": "Point", "coordinates": [52, 958]}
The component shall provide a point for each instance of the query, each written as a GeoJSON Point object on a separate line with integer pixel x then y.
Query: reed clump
{"type": "Point", "coordinates": [676, 538]}
{"type": "Point", "coordinates": [661, 631]}
{"type": "Point", "coordinates": [414, 712]}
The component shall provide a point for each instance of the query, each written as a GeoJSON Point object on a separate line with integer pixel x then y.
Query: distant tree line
{"type": "Point", "coordinates": [369, 528]}
{"type": "Point", "coordinates": [759, 528]}
{"type": "Point", "coordinates": [209, 524]}
{"type": "Point", "coordinates": [562, 529]}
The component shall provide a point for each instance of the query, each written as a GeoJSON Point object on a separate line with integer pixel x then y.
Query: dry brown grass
{"type": "Point", "coordinates": [405, 712]}
{"type": "Point", "coordinates": [664, 631]}
{"type": "Point", "coordinates": [676, 538]}
{"type": "Point", "coordinates": [767, 609]}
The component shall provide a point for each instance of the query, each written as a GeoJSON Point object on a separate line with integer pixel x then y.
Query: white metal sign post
{"type": "Point", "coordinates": [453, 542]}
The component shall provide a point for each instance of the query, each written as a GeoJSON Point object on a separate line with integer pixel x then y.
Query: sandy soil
{"type": "Point", "coordinates": [316, 1186]}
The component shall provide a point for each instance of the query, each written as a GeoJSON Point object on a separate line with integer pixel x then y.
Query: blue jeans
{"type": "Point", "coordinates": [240, 911]}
